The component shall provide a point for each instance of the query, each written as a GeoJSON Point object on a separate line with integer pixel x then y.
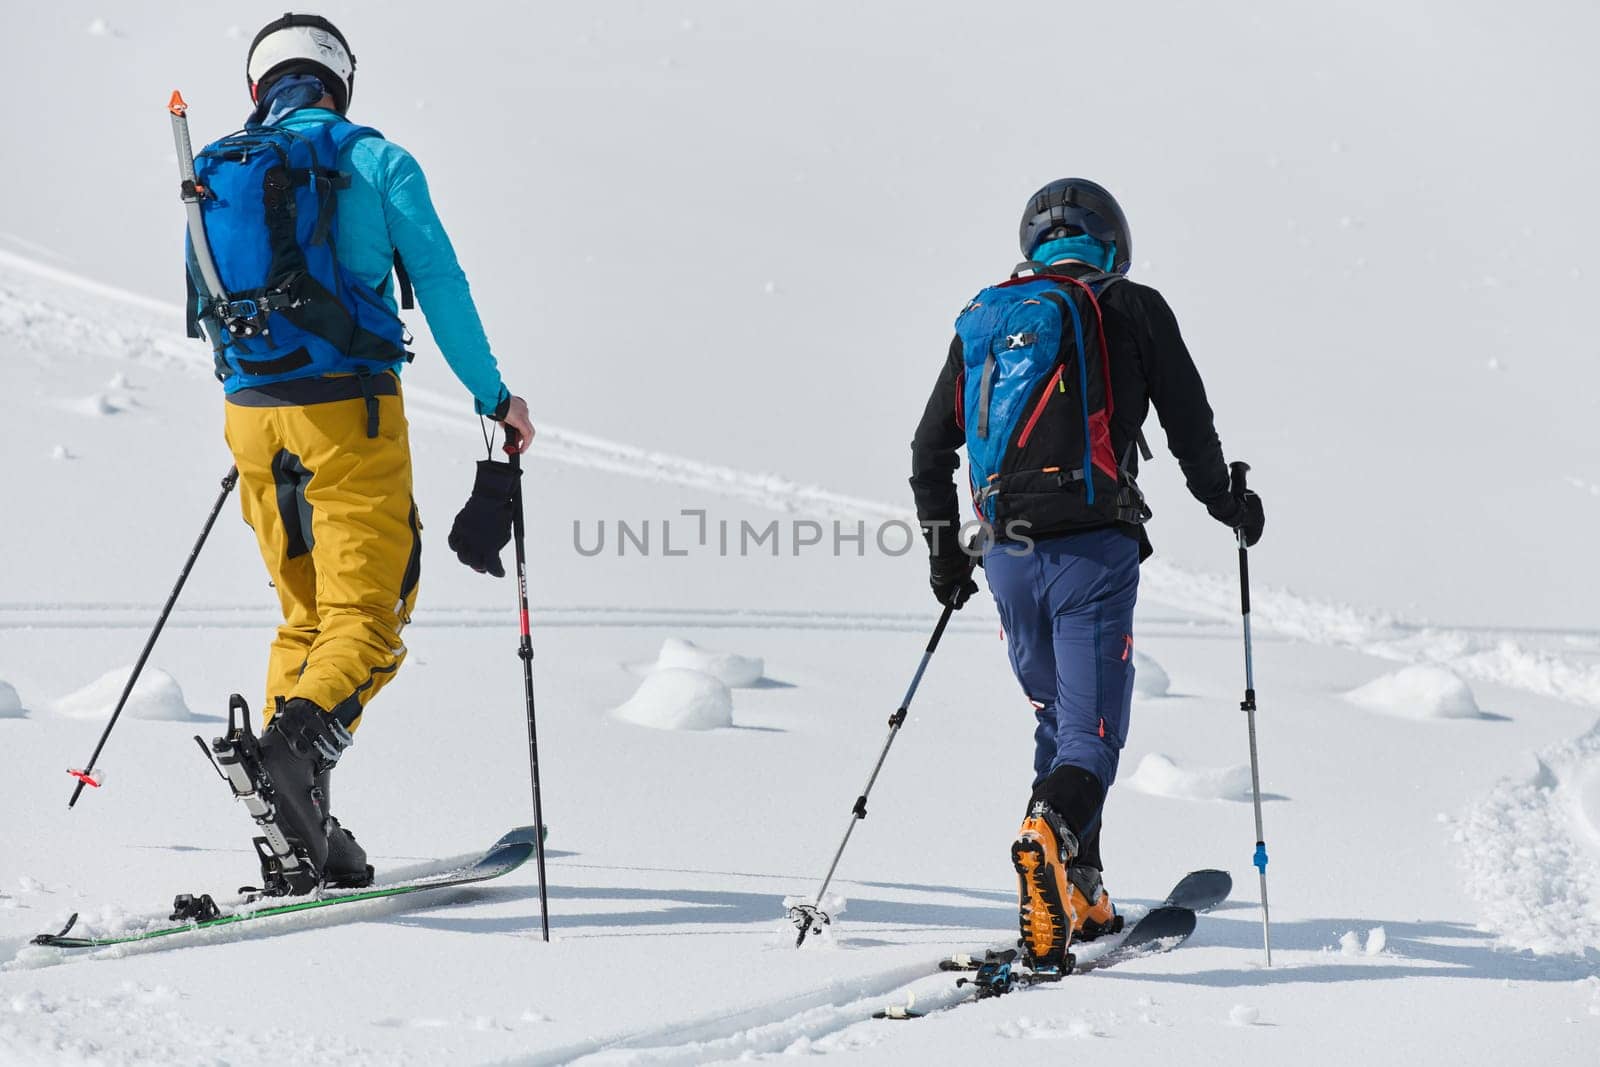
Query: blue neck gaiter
{"type": "Point", "coordinates": [1080, 247]}
{"type": "Point", "coordinates": [289, 93]}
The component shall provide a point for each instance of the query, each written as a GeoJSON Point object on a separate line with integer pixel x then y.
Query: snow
{"type": "Point", "coordinates": [765, 364]}
{"type": "Point", "coordinates": [730, 668]}
{"type": "Point", "coordinates": [676, 698]}
{"type": "Point", "coordinates": [156, 696]}
{"type": "Point", "coordinates": [10, 703]}
{"type": "Point", "coordinates": [1542, 891]}
{"type": "Point", "coordinates": [1421, 691]}
{"type": "Point", "coordinates": [1149, 679]}
{"type": "Point", "coordinates": [1161, 776]}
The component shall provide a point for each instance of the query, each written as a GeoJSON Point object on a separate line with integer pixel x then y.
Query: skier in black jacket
{"type": "Point", "coordinates": [1064, 571]}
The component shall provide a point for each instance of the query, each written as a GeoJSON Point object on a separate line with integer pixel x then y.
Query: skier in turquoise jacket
{"type": "Point", "coordinates": [324, 458]}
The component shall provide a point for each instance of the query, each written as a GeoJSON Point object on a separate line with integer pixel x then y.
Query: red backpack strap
{"type": "Point", "coordinates": [1100, 331]}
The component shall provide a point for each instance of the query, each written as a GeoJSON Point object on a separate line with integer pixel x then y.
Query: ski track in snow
{"type": "Point", "coordinates": [1542, 892]}
{"type": "Point", "coordinates": [815, 1021]}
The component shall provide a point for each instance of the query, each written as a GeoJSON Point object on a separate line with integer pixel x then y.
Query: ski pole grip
{"type": "Point", "coordinates": [512, 438]}
{"type": "Point", "coordinates": [1236, 476]}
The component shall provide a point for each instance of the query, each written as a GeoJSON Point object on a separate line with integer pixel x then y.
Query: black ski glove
{"type": "Point", "coordinates": [1241, 511]}
{"type": "Point", "coordinates": [951, 579]}
{"type": "Point", "coordinates": [483, 527]}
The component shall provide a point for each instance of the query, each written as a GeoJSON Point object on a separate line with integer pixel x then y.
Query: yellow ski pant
{"type": "Point", "coordinates": [332, 510]}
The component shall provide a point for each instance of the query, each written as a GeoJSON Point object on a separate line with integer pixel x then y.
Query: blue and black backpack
{"type": "Point", "coordinates": [1035, 402]}
{"type": "Point", "coordinates": [289, 308]}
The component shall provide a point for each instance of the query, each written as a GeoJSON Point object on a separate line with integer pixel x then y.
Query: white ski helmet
{"type": "Point", "coordinates": [302, 44]}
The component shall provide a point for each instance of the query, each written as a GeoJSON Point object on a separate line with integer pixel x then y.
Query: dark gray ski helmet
{"type": "Point", "coordinates": [1080, 204]}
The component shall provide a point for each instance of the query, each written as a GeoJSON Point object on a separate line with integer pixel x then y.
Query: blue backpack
{"type": "Point", "coordinates": [290, 309]}
{"type": "Point", "coordinates": [1035, 404]}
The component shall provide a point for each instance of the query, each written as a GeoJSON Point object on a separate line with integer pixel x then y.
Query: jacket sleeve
{"type": "Point", "coordinates": [440, 284]}
{"type": "Point", "coordinates": [934, 458]}
{"type": "Point", "coordinates": [1179, 397]}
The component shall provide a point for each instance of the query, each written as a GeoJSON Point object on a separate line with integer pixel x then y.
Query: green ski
{"type": "Point", "coordinates": [501, 858]}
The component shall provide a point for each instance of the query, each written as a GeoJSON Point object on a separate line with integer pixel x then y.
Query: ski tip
{"type": "Point", "coordinates": [522, 835]}
{"type": "Point", "coordinates": [176, 104]}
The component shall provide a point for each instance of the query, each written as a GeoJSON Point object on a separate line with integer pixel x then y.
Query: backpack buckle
{"type": "Point", "coordinates": [244, 318]}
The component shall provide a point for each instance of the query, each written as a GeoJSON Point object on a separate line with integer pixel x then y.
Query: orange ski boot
{"type": "Point", "coordinates": [1096, 915]}
{"type": "Point", "coordinates": [1042, 853]}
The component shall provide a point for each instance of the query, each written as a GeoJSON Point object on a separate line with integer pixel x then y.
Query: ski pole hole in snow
{"type": "Point", "coordinates": [156, 696]}
{"type": "Point", "coordinates": [1420, 691]}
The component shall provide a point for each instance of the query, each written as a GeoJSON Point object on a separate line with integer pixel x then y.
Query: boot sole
{"type": "Point", "coordinates": [349, 881]}
{"type": "Point", "coordinates": [1042, 896]}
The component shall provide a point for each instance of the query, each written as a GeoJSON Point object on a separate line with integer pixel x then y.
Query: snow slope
{"type": "Point", "coordinates": [1434, 880]}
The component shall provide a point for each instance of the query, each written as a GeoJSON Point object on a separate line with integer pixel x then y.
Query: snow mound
{"type": "Point", "coordinates": [1149, 679]}
{"type": "Point", "coordinates": [1422, 691]}
{"type": "Point", "coordinates": [101, 404]}
{"type": "Point", "coordinates": [1244, 1015]}
{"type": "Point", "coordinates": [731, 669]}
{"type": "Point", "coordinates": [1160, 776]}
{"type": "Point", "coordinates": [679, 699]}
{"type": "Point", "coordinates": [157, 696]}
{"type": "Point", "coordinates": [10, 703]}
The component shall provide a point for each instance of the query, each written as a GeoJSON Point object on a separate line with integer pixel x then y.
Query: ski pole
{"type": "Point", "coordinates": [86, 775]}
{"type": "Point", "coordinates": [808, 917]}
{"type": "Point", "coordinates": [525, 651]}
{"type": "Point", "coordinates": [1248, 706]}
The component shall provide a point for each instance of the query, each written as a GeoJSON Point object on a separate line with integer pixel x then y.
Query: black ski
{"type": "Point", "coordinates": [997, 971]}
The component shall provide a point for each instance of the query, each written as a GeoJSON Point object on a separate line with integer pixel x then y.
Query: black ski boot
{"type": "Point", "coordinates": [302, 741]}
{"type": "Point", "coordinates": [347, 866]}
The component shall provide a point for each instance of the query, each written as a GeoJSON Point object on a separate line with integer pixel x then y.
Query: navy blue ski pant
{"type": "Point", "coordinates": [1067, 609]}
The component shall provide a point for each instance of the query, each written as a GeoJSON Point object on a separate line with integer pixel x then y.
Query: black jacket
{"type": "Point", "coordinates": [1149, 364]}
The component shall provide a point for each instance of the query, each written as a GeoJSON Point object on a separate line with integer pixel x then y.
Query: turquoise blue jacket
{"type": "Point", "coordinates": [387, 209]}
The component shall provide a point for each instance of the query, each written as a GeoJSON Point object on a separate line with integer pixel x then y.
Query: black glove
{"type": "Point", "coordinates": [483, 527]}
{"type": "Point", "coordinates": [951, 579]}
{"type": "Point", "coordinates": [1241, 511]}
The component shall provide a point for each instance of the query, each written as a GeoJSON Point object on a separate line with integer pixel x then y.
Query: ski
{"type": "Point", "coordinates": [202, 913]}
{"type": "Point", "coordinates": [999, 970]}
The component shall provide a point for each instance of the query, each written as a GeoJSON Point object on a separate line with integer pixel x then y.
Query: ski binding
{"type": "Point", "coordinates": [286, 869]}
